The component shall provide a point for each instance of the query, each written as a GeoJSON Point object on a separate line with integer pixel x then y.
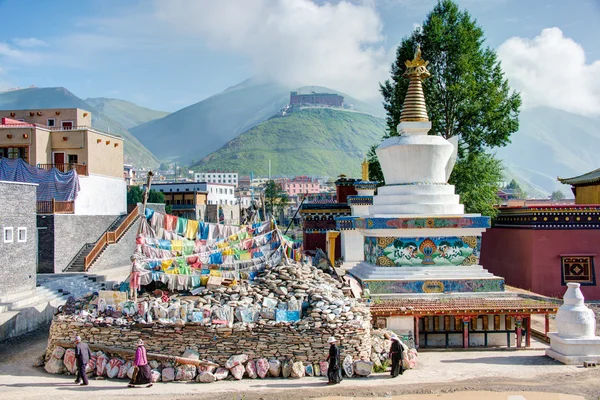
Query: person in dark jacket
{"type": "Point", "coordinates": [82, 356]}
{"type": "Point", "coordinates": [396, 356]}
{"type": "Point", "coordinates": [334, 371]}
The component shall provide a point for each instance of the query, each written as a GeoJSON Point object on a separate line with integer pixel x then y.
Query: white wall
{"type": "Point", "coordinates": [101, 195]}
{"type": "Point", "coordinates": [352, 246]}
{"type": "Point", "coordinates": [227, 197]}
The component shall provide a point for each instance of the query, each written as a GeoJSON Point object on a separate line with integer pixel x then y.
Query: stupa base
{"type": "Point", "coordinates": [574, 351]}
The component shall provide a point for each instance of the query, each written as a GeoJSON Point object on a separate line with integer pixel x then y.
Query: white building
{"type": "Point", "coordinates": [228, 177]}
{"type": "Point", "coordinates": [223, 194]}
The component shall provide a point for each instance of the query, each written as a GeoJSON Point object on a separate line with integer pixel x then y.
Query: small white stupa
{"type": "Point", "coordinates": [576, 340]}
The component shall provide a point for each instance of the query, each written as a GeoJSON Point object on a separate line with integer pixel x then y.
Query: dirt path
{"type": "Point", "coordinates": [438, 372]}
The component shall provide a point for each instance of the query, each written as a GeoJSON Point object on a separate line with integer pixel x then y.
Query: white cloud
{"type": "Point", "coordinates": [29, 42]}
{"type": "Point", "coordinates": [10, 54]}
{"type": "Point", "coordinates": [551, 70]}
{"type": "Point", "coordinates": [296, 42]}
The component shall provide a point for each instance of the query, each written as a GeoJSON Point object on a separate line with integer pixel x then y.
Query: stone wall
{"type": "Point", "coordinates": [218, 344]}
{"type": "Point", "coordinates": [17, 258]}
{"type": "Point", "coordinates": [65, 235]}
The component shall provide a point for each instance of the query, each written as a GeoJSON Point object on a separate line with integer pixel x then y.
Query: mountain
{"type": "Point", "coordinates": [312, 141]}
{"type": "Point", "coordinates": [59, 97]}
{"type": "Point", "coordinates": [551, 143]}
{"type": "Point", "coordinates": [123, 112]}
{"type": "Point", "coordinates": [196, 131]}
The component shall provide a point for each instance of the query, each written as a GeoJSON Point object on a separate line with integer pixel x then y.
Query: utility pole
{"type": "Point", "coordinates": [269, 169]}
{"type": "Point", "coordinates": [145, 200]}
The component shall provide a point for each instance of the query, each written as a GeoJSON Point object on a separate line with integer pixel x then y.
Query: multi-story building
{"type": "Point", "coordinates": [69, 223]}
{"type": "Point", "coordinates": [188, 198]}
{"type": "Point", "coordinates": [228, 177]}
{"type": "Point", "coordinates": [300, 185]}
{"type": "Point", "coordinates": [64, 139]}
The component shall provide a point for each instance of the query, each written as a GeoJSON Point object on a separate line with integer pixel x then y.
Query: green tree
{"type": "Point", "coordinates": [275, 197]}
{"type": "Point", "coordinates": [135, 195]}
{"type": "Point", "coordinates": [557, 195]}
{"type": "Point", "coordinates": [156, 197]}
{"type": "Point", "coordinates": [467, 95]}
{"type": "Point", "coordinates": [518, 191]}
{"type": "Point", "coordinates": [476, 178]}
{"type": "Point", "coordinates": [375, 172]}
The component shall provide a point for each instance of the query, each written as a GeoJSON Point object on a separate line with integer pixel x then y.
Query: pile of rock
{"type": "Point", "coordinates": [236, 367]}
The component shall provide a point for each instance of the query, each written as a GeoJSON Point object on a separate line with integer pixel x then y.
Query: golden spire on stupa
{"type": "Point", "coordinates": [414, 108]}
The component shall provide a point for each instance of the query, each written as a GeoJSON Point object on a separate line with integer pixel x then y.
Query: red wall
{"type": "Point", "coordinates": [313, 241]}
{"type": "Point", "coordinates": [343, 192]}
{"type": "Point", "coordinates": [530, 259]}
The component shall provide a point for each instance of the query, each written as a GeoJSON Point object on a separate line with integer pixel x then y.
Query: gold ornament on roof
{"type": "Point", "coordinates": [414, 108]}
{"type": "Point", "coordinates": [365, 170]}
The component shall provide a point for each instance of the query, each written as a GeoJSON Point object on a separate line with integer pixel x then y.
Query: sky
{"type": "Point", "coordinates": [170, 54]}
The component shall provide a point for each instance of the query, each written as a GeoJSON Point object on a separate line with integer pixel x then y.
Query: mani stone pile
{"type": "Point", "coordinates": [251, 328]}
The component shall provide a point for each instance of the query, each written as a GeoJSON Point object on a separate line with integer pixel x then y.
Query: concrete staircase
{"type": "Point", "coordinates": [27, 311]}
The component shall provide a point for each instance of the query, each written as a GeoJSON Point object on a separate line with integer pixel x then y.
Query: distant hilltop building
{"type": "Point", "coordinates": [318, 99]}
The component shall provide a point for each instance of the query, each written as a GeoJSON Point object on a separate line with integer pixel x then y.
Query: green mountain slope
{"type": "Point", "coordinates": [196, 131]}
{"type": "Point", "coordinates": [315, 141]}
{"type": "Point", "coordinates": [552, 143]}
{"type": "Point", "coordinates": [59, 97]}
{"type": "Point", "coordinates": [123, 112]}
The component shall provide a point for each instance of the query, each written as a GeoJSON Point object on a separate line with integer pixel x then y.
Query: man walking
{"type": "Point", "coordinates": [82, 355]}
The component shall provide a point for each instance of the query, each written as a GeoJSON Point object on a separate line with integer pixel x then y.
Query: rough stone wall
{"type": "Point", "coordinates": [218, 344]}
{"type": "Point", "coordinates": [118, 254]}
{"type": "Point", "coordinates": [71, 232]}
{"type": "Point", "coordinates": [45, 224]}
{"type": "Point", "coordinates": [18, 259]}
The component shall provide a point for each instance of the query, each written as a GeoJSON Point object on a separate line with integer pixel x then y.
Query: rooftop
{"type": "Point", "coordinates": [462, 305]}
{"type": "Point", "coordinates": [585, 179]}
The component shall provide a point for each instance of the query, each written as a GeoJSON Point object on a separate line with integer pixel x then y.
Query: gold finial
{"type": "Point", "coordinates": [365, 170]}
{"type": "Point", "coordinates": [414, 108]}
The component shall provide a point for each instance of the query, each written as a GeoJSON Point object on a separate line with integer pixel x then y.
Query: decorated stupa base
{"type": "Point", "coordinates": [575, 342]}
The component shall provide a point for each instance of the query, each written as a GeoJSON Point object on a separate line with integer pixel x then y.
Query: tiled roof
{"type": "Point", "coordinates": [463, 305]}
{"type": "Point", "coordinates": [590, 177]}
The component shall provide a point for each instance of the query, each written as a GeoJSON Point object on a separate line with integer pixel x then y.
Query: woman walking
{"type": "Point", "coordinates": [142, 375]}
{"type": "Point", "coordinates": [334, 372]}
{"type": "Point", "coordinates": [396, 355]}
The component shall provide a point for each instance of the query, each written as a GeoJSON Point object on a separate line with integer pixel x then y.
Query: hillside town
{"type": "Point", "coordinates": [309, 244]}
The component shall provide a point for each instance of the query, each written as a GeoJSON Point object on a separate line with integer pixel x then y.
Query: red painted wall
{"type": "Point", "coordinates": [313, 241]}
{"type": "Point", "coordinates": [530, 259]}
{"type": "Point", "coordinates": [343, 192]}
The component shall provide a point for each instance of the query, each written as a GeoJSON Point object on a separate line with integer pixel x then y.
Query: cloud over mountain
{"type": "Point", "coordinates": [552, 70]}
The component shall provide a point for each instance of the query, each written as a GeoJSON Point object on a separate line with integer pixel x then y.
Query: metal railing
{"type": "Point", "coordinates": [109, 237]}
{"type": "Point", "coordinates": [64, 167]}
{"type": "Point", "coordinates": [56, 207]}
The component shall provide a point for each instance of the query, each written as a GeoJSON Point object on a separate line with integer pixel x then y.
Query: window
{"type": "Point", "coordinates": [67, 124]}
{"type": "Point", "coordinates": [72, 158]}
{"type": "Point", "coordinates": [14, 152]}
{"type": "Point", "coordinates": [579, 269]}
{"type": "Point", "coordinates": [22, 235]}
{"type": "Point", "coordinates": [8, 235]}
{"type": "Point", "coordinates": [51, 122]}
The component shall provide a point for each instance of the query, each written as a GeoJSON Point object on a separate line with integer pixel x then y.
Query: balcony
{"type": "Point", "coordinates": [80, 168]}
{"type": "Point", "coordinates": [183, 206]}
{"type": "Point", "coordinates": [56, 207]}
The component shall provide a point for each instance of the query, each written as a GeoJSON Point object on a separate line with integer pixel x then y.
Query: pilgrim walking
{"type": "Point", "coordinates": [334, 372]}
{"type": "Point", "coordinates": [396, 350]}
{"type": "Point", "coordinates": [82, 357]}
{"type": "Point", "coordinates": [142, 375]}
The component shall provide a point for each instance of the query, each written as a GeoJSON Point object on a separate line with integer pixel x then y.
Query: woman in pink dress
{"type": "Point", "coordinates": [142, 374]}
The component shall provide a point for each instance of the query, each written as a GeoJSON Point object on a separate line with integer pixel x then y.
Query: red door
{"type": "Point", "coordinates": [67, 125]}
{"type": "Point", "coordinates": [59, 161]}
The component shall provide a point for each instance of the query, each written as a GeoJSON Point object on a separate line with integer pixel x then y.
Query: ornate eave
{"type": "Point", "coordinates": [549, 217]}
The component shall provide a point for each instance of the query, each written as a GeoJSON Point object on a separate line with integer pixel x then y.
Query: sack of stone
{"type": "Point", "coordinates": [58, 352]}
{"type": "Point", "coordinates": [286, 368]}
{"type": "Point", "coordinates": [206, 368]}
{"type": "Point", "coordinates": [317, 370]}
{"type": "Point", "coordinates": [91, 365]}
{"type": "Point", "coordinates": [221, 373]}
{"type": "Point", "coordinates": [236, 360]}
{"type": "Point", "coordinates": [274, 367]}
{"type": "Point", "coordinates": [123, 369]}
{"type": "Point", "coordinates": [168, 374]}
{"type": "Point", "coordinates": [237, 371]}
{"type": "Point", "coordinates": [251, 369]}
{"type": "Point", "coordinates": [206, 377]}
{"type": "Point", "coordinates": [191, 353]}
{"type": "Point", "coordinates": [323, 366]}
{"type": "Point", "coordinates": [113, 367]}
{"type": "Point", "coordinates": [101, 363]}
{"type": "Point", "coordinates": [347, 366]}
{"type": "Point", "coordinates": [70, 361]}
{"type": "Point", "coordinates": [154, 364]}
{"type": "Point", "coordinates": [297, 370]}
{"type": "Point", "coordinates": [363, 368]}
{"type": "Point", "coordinates": [185, 372]}
{"type": "Point", "coordinates": [156, 375]}
{"type": "Point", "coordinates": [262, 367]}
{"type": "Point", "coordinates": [55, 366]}
{"type": "Point", "coordinates": [308, 370]}
{"type": "Point", "coordinates": [131, 371]}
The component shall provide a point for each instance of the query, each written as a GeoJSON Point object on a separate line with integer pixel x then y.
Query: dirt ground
{"type": "Point", "coordinates": [438, 372]}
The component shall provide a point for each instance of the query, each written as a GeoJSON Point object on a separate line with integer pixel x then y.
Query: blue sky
{"type": "Point", "coordinates": [170, 54]}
